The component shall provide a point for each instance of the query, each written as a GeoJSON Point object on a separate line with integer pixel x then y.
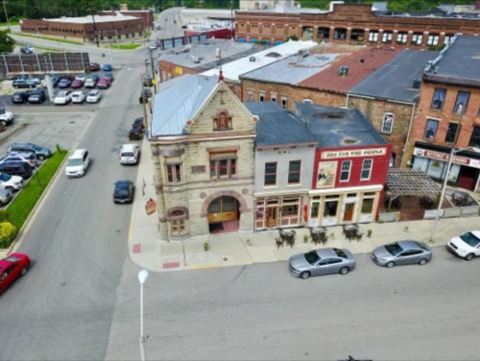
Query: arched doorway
{"type": "Point", "coordinates": [223, 214]}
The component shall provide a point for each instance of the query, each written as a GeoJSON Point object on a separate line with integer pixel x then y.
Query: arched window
{"type": "Point", "coordinates": [222, 121]}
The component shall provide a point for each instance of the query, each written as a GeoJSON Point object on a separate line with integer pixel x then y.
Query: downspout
{"type": "Point", "coordinates": [403, 164]}
{"type": "Point", "coordinates": [347, 100]}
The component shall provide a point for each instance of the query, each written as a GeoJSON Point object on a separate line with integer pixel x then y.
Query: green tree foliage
{"type": "Point", "coordinates": [6, 42]}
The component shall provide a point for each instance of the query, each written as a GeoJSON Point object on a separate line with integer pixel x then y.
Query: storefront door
{"type": "Point", "coordinates": [467, 178]}
{"type": "Point", "coordinates": [272, 215]}
{"type": "Point", "coordinates": [348, 212]}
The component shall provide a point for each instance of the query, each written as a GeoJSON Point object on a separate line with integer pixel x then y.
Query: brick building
{"type": "Point", "coordinates": [105, 27]}
{"type": "Point", "coordinates": [202, 140]}
{"type": "Point", "coordinates": [352, 23]}
{"type": "Point", "coordinates": [317, 78]}
{"type": "Point", "coordinates": [145, 15]}
{"type": "Point", "coordinates": [449, 116]}
{"type": "Point", "coordinates": [389, 97]}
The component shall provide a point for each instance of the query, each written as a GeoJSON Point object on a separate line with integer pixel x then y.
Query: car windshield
{"type": "Point", "coordinates": [312, 257]}
{"type": "Point", "coordinates": [127, 154]}
{"type": "Point", "coordinates": [73, 162]}
{"type": "Point", "coordinates": [5, 177]}
{"type": "Point", "coordinates": [2, 110]}
{"type": "Point", "coordinates": [393, 249]}
{"type": "Point", "coordinates": [340, 253]}
{"type": "Point", "coordinates": [92, 94]}
{"type": "Point", "coordinates": [121, 193]}
{"type": "Point", "coordinates": [470, 239]}
{"type": "Point", "coordinates": [61, 94]}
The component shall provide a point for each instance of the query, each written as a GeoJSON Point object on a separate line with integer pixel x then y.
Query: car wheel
{"type": "Point", "coordinates": [11, 189]}
{"type": "Point", "coordinates": [3, 123]}
{"type": "Point", "coordinates": [423, 262]}
{"type": "Point", "coordinates": [469, 257]}
{"type": "Point", "coordinates": [41, 157]}
{"type": "Point", "coordinates": [24, 271]}
{"type": "Point", "coordinates": [390, 264]}
{"type": "Point", "coordinates": [305, 275]}
{"type": "Point", "coordinates": [344, 270]}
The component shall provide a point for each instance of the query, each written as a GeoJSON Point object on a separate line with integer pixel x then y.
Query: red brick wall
{"type": "Point", "coordinates": [167, 70]}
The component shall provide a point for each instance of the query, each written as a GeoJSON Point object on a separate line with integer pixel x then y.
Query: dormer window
{"type": "Point", "coordinates": [222, 121]}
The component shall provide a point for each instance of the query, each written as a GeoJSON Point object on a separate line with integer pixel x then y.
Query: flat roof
{"type": "Point", "coordinates": [293, 69]}
{"type": "Point", "coordinates": [360, 65]}
{"type": "Point", "coordinates": [395, 80]}
{"type": "Point", "coordinates": [204, 54]}
{"type": "Point", "coordinates": [233, 70]}
{"type": "Point", "coordinates": [459, 63]}
{"type": "Point", "coordinates": [98, 19]}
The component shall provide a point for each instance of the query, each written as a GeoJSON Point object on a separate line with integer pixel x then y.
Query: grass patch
{"type": "Point", "coordinates": [11, 23]}
{"type": "Point", "coordinates": [60, 40]}
{"type": "Point", "coordinates": [21, 207]}
{"type": "Point", "coordinates": [126, 46]}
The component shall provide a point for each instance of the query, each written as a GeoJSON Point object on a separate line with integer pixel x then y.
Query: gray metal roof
{"type": "Point", "coordinates": [459, 63]}
{"type": "Point", "coordinates": [178, 101]}
{"type": "Point", "coordinates": [276, 126]}
{"type": "Point", "coordinates": [338, 127]}
{"type": "Point", "coordinates": [291, 70]}
{"type": "Point", "coordinates": [395, 80]}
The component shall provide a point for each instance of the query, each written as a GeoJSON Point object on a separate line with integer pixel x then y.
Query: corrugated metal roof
{"type": "Point", "coordinates": [178, 101]}
{"type": "Point", "coordinates": [360, 64]}
{"type": "Point", "coordinates": [234, 69]}
{"type": "Point", "coordinates": [395, 80]}
{"type": "Point", "coordinates": [98, 18]}
{"type": "Point", "coordinates": [291, 70]}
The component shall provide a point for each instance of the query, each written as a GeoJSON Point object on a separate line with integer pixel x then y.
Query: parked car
{"type": "Point", "coordinates": [78, 97]}
{"type": "Point", "coordinates": [77, 163]}
{"type": "Point", "coordinates": [26, 50]}
{"type": "Point", "coordinates": [82, 77]}
{"type": "Point", "coordinates": [40, 152]}
{"type": "Point", "coordinates": [55, 80]}
{"type": "Point", "coordinates": [103, 83]}
{"type": "Point", "coordinates": [12, 182]}
{"type": "Point", "coordinates": [94, 67]}
{"type": "Point", "coordinates": [62, 97]}
{"type": "Point", "coordinates": [77, 84]}
{"type": "Point", "coordinates": [107, 67]}
{"type": "Point", "coordinates": [94, 96]}
{"type": "Point", "coordinates": [20, 97]}
{"type": "Point", "coordinates": [64, 83]}
{"type": "Point", "coordinates": [108, 75]}
{"type": "Point", "coordinates": [129, 154]}
{"type": "Point", "coordinates": [153, 46]}
{"type": "Point", "coordinates": [466, 245]}
{"type": "Point", "coordinates": [29, 158]}
{"type": "Point", "coordinates": [123, 192]}
{"type": "Point", "coordinates": [37, 96]}
{"type": "Point", "coordinates": [402, 253]}
{"type": "Point", "coordinates": [17, 168]}
{"type": "Point", "coordinates": [321, 262]}
{"type": "Point", "coordinates": [91, 81]}
{"type": "Point", "coordinates": [138, 123]}
{"type": "Point", "coordinates": [135, 134]}
{"type": "Point", "coordinates": [6, 196]}
{"type": "Point", "coordinates": [6, 117]}
{"type": "Point", "coordinates": [11, 268]}
{"type": "Point", "coordinates": [22, 84]}
{"type": "Point", "coordinates": [144, 95]}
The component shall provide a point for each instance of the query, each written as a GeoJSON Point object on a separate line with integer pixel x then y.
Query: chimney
{"type": "Point", "coordinates": [220, 76]}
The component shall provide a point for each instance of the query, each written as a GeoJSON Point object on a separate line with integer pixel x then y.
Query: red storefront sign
{"type": "Point", "coordinates": [441, 156]}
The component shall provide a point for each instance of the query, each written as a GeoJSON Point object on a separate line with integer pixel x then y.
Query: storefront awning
{"type": "Point", "coordinates": [410, 182]}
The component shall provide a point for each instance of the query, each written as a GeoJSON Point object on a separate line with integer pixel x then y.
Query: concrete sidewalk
{"type": "Point", "coordinates": [147, 250]}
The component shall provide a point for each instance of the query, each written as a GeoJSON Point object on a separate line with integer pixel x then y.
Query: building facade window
{"type": "Point", "coordinates": [475, 138]}
{"type": "Point", "coordinates": [367, 205]}
{"type": "Point", "coordinates": [439, 98]}
{"type": "Point", "coordinates": [250, 96]}
{"type": "Point", "coordinates": [461, 103]}
{"type": "Point", "coordinates": [452, 131]}
{"type": "Point", "coordinates": [402, 38]}
{"type": "Point", "coordinates": [261, 96]}
{"type": "Point", "coordinates": [330, 207]}
{"type": "Point", "coordinates": [223, 165]}
{"type": "Point", "coordinates": [174, 173]}
{"type": "Point", "coordinates": [373, 36]}
{"type": "Point", "coordinates": [273, 97]}
{"type": "Point", "coordinates": [294, 167]}
{"type": "Point", "coordinates": [431, 129]}
{"type": "Point", "coordinates": [387, 124]}
{"type": "Point", "coordinates": [417, 38]}
{"type": "Point", "coordinates": [222, 121]}
{"type": "Point", "coordinates": [270, 174]}
{"type": "Point", "coordinates": [433, 39]}
{"type": "Point", "coordinates": [284, 102]}
{"type": "Point", "coordinates": [345, 171]}
{"type": "Point", "coordinates": [387, 37]}
{"type": "Point", "coordinates": [177, 227]}
{"type": "Point", "coordinates": [367, 166]}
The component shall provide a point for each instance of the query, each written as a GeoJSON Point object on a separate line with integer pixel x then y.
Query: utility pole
{"type": "Point", "coordinates": [95, 35]}
{"type": "Point", "coordinates": [6, 15]}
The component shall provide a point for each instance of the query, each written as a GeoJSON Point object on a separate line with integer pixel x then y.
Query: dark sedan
{"type": "Point", "coordinates": [94, 67]}
{"type": "Point", "coordinates": [64, 83]}
{"type": "Point", "coordinates": [37, 96]}
{"type": "Point", "coordinates": [123, 192]}
{"type": "Point", "coordinates": [77, 84]}
{"type": "Point", "coordinates": [20, 97]}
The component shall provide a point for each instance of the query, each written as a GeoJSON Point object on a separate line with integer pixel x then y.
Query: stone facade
{"type": "Point", "coordinates": [188, 199]}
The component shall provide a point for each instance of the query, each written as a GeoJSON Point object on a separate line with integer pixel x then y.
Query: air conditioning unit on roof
{"type": "Point", "coordinates": [252, 59]}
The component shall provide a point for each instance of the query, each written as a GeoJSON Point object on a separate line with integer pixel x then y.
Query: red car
{"type": "Point", "coordinates": [11, 268]}
{"type": "Point", "coordinates": [94, 67]}
{"type": "Point", "coordinates": [76, 84]}
{"type": "Point", "coordinates": [103, 83]}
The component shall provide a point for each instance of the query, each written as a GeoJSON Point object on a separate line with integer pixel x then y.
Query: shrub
{"type": "Point", "coordinates": [3, 215]}
{"type": "Point", "coordinates": [206, 246]}
{"type": "Point", "coordinates": [7, 233]}
{"type": "Point", "coordinates": [305, 238]}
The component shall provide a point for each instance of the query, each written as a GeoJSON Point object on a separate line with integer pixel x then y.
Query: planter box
{"type": "Point", "coordinates": [389, 217]}
{"type": "Point", "coordinates": [470, 211]}
{"type": "Point", "coordinates": [452, 212]}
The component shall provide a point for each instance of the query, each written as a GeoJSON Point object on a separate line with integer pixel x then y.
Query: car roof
{"type": "Point", "coordinates": [326, 253]}
{"type": "Point", "coordinates": [122, 183]}
{"type": "Point", "coordinates": [409, 244]}
{"type": "Point", "coordinates": [476, 233]}
{"type": "Point", "coordinates": [78, 153]}
{"type": "Point", "coordinates": [128, 147]}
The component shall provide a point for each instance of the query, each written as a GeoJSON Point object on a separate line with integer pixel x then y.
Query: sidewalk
{"type": "Point", "coordinates": [234, 249]}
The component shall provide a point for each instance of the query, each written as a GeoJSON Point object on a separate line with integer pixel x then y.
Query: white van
{"type": "Point", "coordinates": [77, 163]}
{"type": "Point", "coordinates": [129, 154]}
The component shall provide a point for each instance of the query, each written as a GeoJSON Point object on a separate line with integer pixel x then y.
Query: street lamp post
{"type": "Point", "coordinates": [142, 277]}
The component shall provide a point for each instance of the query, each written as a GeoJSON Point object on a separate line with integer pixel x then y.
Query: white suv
{"type": "Point", "coordinates": [77, 163]}
{"type": "Point", "coordinates": [466, 245]}
{"type": "Point", "coordinates": [129, 154]}
{"type": "Point", "coordinates": [12, 182]}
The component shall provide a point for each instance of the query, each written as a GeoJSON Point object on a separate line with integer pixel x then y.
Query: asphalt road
{"type": "Point", "coordinates": [260, 312]}
{"type": "Point", "coordinates": [62, 309]}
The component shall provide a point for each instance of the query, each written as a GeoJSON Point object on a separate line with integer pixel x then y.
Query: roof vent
{"type": "Point", "coordinates": [343, 70]}
{"type": "Point", "coordinates": [416, 83]}
{"type": "Point", "coordinates": [303, 53]}
{"type": "Point", "coordinates": [350, 141]}
{"type": "Point", "coordinates": [252, 59]}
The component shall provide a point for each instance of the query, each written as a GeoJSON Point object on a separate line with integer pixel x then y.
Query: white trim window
{"type": "Point", "coordinates": [273, 97]}
{"type": "Point", "coordinates": [261, 96]}
{"type": "Point", "coordinates": [387, 37]}
{"type": "Point", "coordinates": [367, 166]}
{"type": "Point", "coordinates": [307, 101]}
{"type": "Point", "coordinates": [249, 96]}
{"type": "Point", "coordinates": [345, 171]}
{"type": "Point", "coordinates": [373, 36]}
{"type": "Point", "coordinates": [284, 102]}
{"type": "Point", "coordinates": [387, 123]}
{"type": "Point", "coordinates": [417, 39]}
{"type": "Point", "coordinates": [433, 39]}
{"type": "Point", "coordinates": [402, 38]}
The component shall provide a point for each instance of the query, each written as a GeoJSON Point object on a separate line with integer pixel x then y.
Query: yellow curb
{"type": "Point", "coordinates": [197, 268]}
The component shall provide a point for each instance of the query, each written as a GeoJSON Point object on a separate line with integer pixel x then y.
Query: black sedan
{"type": "Point", "coordinates": [37, 96]}
{"type": "Point", "coordinates": [20, 97]}
{"type": "Point", "coordinates": [123, 192]}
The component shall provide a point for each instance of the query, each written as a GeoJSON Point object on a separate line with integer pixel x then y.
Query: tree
{"type": "Point", "coordinates": [6, 42]}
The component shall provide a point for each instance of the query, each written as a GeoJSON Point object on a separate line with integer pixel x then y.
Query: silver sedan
{"type": "Point", "coordinates": [402, 253]}
{"type": "Point", "coordinates": [321, 262]}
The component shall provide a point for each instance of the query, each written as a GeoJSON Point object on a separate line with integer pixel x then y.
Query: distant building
{"type": "Point", "coordinates": [265, 4]}
{"type": "Point", "coordinates": [449, 116]}
{"type": "Point", "coordinates": [103, 27]}
{"type": "Point", "coordinates": [145, 15]}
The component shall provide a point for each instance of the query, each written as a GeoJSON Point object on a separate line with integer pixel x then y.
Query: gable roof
{"type": "Point", "coordinates": [178, 101]}
{"type": "Point", "coordinates": [360, 64]}
{"type": "Point", "coordinates": [395, 80]}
